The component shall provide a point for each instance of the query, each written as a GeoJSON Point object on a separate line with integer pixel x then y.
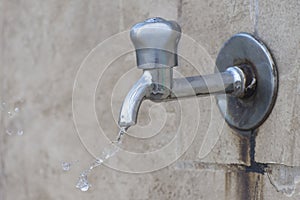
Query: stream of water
{"type": "Point", "coordinates": [83, 183]}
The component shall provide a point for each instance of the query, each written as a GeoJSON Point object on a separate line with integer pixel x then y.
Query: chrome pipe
{"type": "Point", "coordinates": [232, 81]}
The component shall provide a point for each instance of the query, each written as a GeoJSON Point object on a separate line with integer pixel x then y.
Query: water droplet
{"type": "Point", "coordinates": [8, 132]}
{"type": "Point", "coordinates": [20, 132]}
{"type": "Point", "coordinates": [10, 114]}
{"type": "Point", "coordinates": [66, 166]}
{"type": "Point", "coordinates": [14, 127]}
{"type": "Point", "coordinates": [83, 183]}
{"type": "Point", "coordinates": [12, 120]}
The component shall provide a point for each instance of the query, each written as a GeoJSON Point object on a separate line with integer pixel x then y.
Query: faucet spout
{"type": "Point", "coordinates": [131, 104]}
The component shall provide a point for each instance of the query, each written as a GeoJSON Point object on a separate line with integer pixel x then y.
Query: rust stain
{"type": "Point", "coordinates": [228, 185]}
{"type": "Point", "coordinates": [249, 186]}
{"type": "Point", "coordinates": [244, 147]}
{"type": "Point", "coordinates": [250, 181]}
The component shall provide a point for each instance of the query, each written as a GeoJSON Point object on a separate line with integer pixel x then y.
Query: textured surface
{"type": "Point", "coordinates": [43, 44]}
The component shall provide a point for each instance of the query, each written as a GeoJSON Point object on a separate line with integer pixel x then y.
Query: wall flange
{"type": "Point", "coordinates": [248, 113]}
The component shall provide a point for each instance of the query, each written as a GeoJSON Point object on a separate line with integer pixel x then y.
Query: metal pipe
{"type": "Point", "coordinates": [232, 81]}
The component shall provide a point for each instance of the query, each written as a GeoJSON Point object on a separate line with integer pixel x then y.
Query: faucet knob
{"type": "Point", "coordinates": [156, 41]}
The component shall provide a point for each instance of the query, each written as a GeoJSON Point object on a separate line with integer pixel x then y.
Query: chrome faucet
{"type": "Point", "coordinates": [156, 41]}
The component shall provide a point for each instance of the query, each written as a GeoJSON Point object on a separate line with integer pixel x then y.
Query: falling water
{"type": "Point", "coordinates": [83, 183]}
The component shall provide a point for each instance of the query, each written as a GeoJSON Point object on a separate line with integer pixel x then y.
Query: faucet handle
{"type": "Point", "coordinates": [156, 41]}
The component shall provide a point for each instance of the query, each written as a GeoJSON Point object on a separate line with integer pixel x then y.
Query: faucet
{"type": "Point", "coordinates": [246, 74]}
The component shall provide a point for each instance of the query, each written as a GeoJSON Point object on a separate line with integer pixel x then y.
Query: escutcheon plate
{"type": "Point", "coordinates": [246, 114]}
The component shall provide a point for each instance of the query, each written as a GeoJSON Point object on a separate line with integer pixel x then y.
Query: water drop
{"type": "Point", "coordinates": [66, 166]}
{"type": "Point", "coordinates": [20, 132]}
{"type": "Point", "coordinates": [12, 121]}
{"type": "Point", "coordinates": [83, 183]}
{"type": "Point", "coordinates": [9, 132]}
{"type": "Point", "coordinates": [16, 109]}
{"type": "Point", "coordinates": [14, 127]}
{"type": "Point", "coordinates": [10, 114]}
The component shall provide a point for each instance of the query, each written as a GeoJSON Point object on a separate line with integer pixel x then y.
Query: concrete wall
{"type": "Point", "coordinates": [43, 44]}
